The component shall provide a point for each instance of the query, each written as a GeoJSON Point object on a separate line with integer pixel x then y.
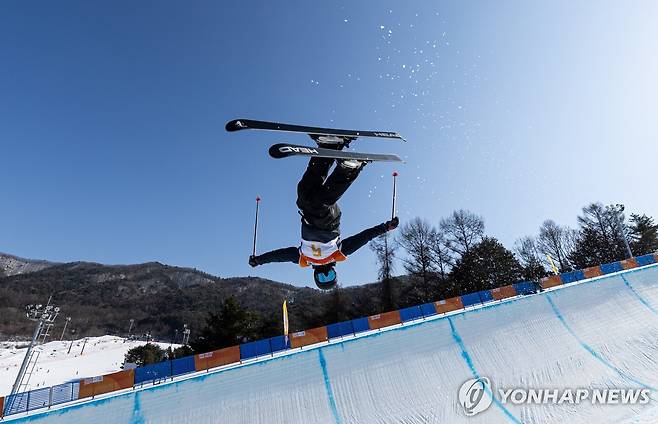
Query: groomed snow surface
{"type": "Point", "coordinates": [56, 364]}
{"type": "Point", "coordinates": [601, 333]}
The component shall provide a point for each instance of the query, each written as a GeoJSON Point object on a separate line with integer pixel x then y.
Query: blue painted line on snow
{"type": "Point", "coordinates": [469, 362]}
{"type": "Point", "coordinates": [638, 296]}
{"type": "Point", "coordinates": [137, 417]}
{"type": "Point", "coordinates": [327, 386]}
{"type": "Point", "coordinates": [591, 350]}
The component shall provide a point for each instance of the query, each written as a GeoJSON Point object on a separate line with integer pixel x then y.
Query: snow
{"type": "Point", "coordinates": [102, 355]}
{"type": "Point", "coordinates": [601, 333]}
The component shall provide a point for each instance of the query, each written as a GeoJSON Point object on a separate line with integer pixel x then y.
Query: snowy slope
{"type": "Point", "coordinates": [102, 355]}
{"type": "Point", "coordinates": [601, 333]}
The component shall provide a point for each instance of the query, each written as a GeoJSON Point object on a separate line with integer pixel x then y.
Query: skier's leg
{"type": "Point", "coordinates": [311, 183]}
{"type": "Point", "coordinates": [338, 183]}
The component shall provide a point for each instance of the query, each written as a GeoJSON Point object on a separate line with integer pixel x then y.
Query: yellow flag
{"type": "Point", "coordinates": [550, 260]}
{"type": "Point", "coordinates": [285, 318]}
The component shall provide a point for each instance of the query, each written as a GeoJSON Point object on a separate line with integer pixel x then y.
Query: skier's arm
{"type": "Point", "coordinates": [357, 241]}
{"type": "Point", "coordinates": [287, 254]}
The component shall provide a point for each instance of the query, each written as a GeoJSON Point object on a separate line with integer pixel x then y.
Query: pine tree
{"type": "Point", "coordinates": [487, 265]}
{"type": "Point", "coordinates": [146, 354]}
{"type": "Point", "coordinates": [336, 307]}
{"type": "Point", "coordinates": [600, 237]}
{"type": "Point", "coordinates": [231, 326]}
{"type": "Point", "coordinates": [643, 234]}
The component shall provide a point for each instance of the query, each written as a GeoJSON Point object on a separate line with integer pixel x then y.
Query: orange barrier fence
{"type": "Point", "coordinates": [592, 272]}
{"type": "Point", "coordinates": [90, 387]}
{"type": "Point", "coordinates": [448, 305]}
{"type": "Point", "coordinates": [217, 358]}
{"type": "Point", "coordinates": [552, 281]}
{"type": "Point", "coordinates": [504, 292]}
{"type": "Point", "coordinates": [629, 263]}
{"type": "Point", "coordinates": [385, 319]}
{"type": "Point", "coordinates": [307, 337]}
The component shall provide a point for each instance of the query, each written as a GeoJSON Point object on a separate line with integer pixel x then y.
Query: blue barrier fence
{"type": "Point", "coordinates": [340, 329]}
{"type": "Point", "coordinates": [645, 260]}
{"type": "Point", "coordinates": [471, 299]}
{"type": "Point", "coordinates": [360, 325]}
{"type": "Point", "coordinates": [486, 296]}
{"type": "Point", "coordinates": [428, 309]}
{"type": "Point", "coordinates": [182, 365]}
{"type": "Point", "coordinates": [411, 313]}
{"type": "Point", "coordinates": [571, 277]}
{"type": "Point", "coordinates": [153, 372]}
{"type": "Point", "coordinates": [41, 398]}
{"type": "Point", "coordinates": [528, 287]}
{"type": "Point", "coordinates": [610, 268]}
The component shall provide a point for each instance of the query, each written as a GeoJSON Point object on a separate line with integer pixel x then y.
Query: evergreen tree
{"type": "Point", "coordinates": [487, 265]}
{"type": "Point", "coordinates": [643, 234]}
{"type": "Point", "coordinates": [231, 326]}
{"type": "Point", "coordinates": [180, 352]}
{"type": "Point", "coordinates": [336, 309]}
{"type": "Point", "coordinates": [146, 354]}
{"type": "Point", "coordinates": [600, 236]}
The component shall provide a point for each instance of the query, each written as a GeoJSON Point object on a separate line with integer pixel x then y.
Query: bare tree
{"type": "Point", "coordinates": [418, 239]}
{"type": "Point", "coordinates": [531, 258]}
{"type": "Point", "coordinates": [441, 255]}
{"type": "Point", "coordinates": [527, 251]}
{"type": "Point", "coordinates": [557, 241]}
{"type": "Point", "coordinates": [463, 229]}
{"type": "Point", "coordinates": [384, 248]}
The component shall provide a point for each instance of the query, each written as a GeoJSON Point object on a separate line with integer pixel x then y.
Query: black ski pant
{"type": "Point", "coordinates": [318, 192]}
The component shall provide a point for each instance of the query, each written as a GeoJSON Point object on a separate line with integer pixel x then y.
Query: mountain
{"type": "Point", "coordinates": [13, 265]}
{"type": "Point", "coordinates": [102, 299]}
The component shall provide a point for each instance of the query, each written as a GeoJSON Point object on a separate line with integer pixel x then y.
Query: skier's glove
{"type": "Point", "coordinates": [392, 224]}
{"type": "Point", "coordinates": [253, 261]}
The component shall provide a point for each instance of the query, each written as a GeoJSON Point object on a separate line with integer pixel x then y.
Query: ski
{"type": "Point", "coordinates": [284, 150]}
{"type": "Point", "coordinates": [246, 124]}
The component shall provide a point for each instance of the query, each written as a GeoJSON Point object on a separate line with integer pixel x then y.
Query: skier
{"type": "Point", "coordinates": [317, 197]}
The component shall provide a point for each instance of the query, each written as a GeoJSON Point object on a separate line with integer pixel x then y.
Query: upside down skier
{"type": "Point", "coordinates": [317, 199]}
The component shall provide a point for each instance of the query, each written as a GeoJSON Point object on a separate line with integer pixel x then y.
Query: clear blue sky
{"type": "Point", "coordinates": [112, 141]}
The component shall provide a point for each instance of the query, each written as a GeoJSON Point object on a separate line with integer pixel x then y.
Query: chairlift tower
{"type": "Point", "coordinates": [186, 335]}
{"type": "Point", "coordinates": [45, 318]}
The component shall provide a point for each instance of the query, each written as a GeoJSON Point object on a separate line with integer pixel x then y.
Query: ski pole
{"type": "Point", "coordinates": [253, 252]}
{"type": "Point", "coordinates": [395, 175]}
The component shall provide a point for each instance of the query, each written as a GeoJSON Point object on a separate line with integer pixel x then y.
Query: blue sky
{"type": "Point", "coordinates": [112, 118]}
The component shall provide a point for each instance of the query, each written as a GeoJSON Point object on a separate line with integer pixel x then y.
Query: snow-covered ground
{"type": "Point", "coordinates": [596, 335]}
{"type": "Point", "coordinates": [56, 365]}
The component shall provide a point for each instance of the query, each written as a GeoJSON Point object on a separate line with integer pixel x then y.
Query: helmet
{"type": "Point", "coordinates": [325, 276]}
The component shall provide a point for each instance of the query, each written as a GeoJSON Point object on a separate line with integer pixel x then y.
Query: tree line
{"type": "Point", "coordinates": [457, 257]}
{"type": "Point", "coordinates": [451, 258]}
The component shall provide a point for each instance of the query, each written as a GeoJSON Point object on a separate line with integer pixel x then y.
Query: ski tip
{"type": "Point", "coordinates": [236, 125]}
